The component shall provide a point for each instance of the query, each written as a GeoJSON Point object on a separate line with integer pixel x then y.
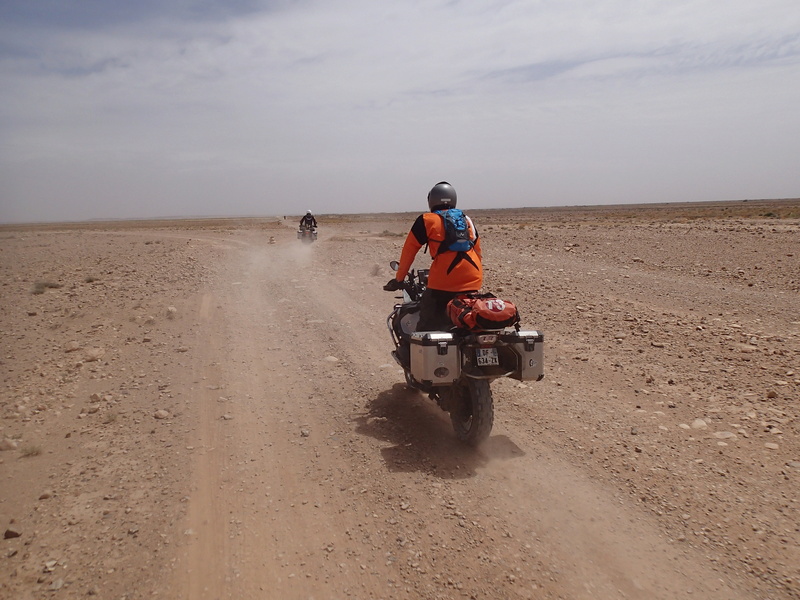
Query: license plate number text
{"type": "Point", "coordinates": [487, 357]}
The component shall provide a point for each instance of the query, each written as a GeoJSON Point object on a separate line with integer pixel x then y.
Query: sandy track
{"type": "Point", "coordinates": [294, 463]}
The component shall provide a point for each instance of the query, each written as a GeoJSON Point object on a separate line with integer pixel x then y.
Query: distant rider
{"type": "Point", "coordinates": [451, 273]}
{"type": "Point", "coordinates": [308, 221]}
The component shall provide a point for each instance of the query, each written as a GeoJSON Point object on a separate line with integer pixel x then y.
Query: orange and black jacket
{"type": "Point", "coordinates": [450, 271]}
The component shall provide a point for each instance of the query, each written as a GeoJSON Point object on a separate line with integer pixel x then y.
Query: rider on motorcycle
{"type": "Point", "coordinates": [451, 273]}
{"type": "Point", "coordinates": [308, 221]}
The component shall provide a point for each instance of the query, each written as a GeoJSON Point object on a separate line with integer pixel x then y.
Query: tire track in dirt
{"type": "Point", "coordinates": [208, 464]}
{"type": "Point", "coordinates": [261, 522]}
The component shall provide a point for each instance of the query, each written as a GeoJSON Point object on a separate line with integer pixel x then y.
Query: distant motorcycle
{"type": "Point", "coordinates": [307, 234]}
{"type": "Point", "coordinates": [455, 367]}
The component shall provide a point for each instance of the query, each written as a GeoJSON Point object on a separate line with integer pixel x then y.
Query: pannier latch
{"type": "Point", "coordinates": [442, 348]}
{"type": "Point", "coordinates": [530, 344]}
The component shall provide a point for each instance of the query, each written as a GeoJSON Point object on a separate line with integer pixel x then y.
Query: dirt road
{"type": "Point", "coordinates": [210, 411]}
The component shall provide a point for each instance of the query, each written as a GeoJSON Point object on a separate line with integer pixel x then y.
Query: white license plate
{"type": "Point", "coordinates": [487, 357]}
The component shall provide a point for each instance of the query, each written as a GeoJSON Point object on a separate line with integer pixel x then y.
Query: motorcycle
{"type": "Point", "coordinates": [455, 367]}
{"type": "Point", "coordinates": [307, 234]}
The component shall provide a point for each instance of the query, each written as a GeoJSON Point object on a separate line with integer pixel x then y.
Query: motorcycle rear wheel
{"type": "Point", "coordinates": [472, 414]}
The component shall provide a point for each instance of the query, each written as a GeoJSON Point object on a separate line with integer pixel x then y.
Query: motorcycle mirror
{"type": "Point", "coordinates": [395, 265]}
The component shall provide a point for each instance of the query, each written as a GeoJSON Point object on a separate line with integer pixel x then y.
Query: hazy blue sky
{"type": "Point", "coordinates": [148, 108]}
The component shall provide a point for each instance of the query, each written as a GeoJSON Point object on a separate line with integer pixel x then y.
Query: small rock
{"type": "Point", "coordinates": [161, 414]}
{"type": "Point", "coordinates": [772, 394]}
{"type": "Point", "coordinates": [56, 585]}
{"type": "Point", "coordinates": [46, 495]}
{"type": "Point", "coordinates": [305, 432]}
{"type": "Point", "coordinates": [331, 359]}
{"type": "Point", "coordinates": [226, 417]}
{"type": "Point", "coordinates": [8, 444]}
{"type": "Point", "coordinates": [771, 446]}
{"type": "Point", "coordinates": [699, 424]}
{"type": "Point", "coordinates": [11, 532]}
{"type": "Point", "coordinates": [724, 435]}
{"type": "Point", "coordinates": [172, 312]}
{"type": "Point", "coordinates": [93, 354]}
{"type": "Point", "coordinates": [71, 346]}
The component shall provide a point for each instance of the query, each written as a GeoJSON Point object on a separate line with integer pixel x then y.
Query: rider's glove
{"type": "Point", "coordinates": [393, 285]}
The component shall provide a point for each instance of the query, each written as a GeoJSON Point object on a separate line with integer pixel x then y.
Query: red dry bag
{"type": "Point", "coordinates": [482, 311]}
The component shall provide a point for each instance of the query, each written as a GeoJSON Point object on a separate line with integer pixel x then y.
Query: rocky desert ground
{"type": "Point", "coordinates": [207, 409]}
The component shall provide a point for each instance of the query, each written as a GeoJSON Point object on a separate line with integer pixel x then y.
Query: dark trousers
{"type": "Point", "coordinates": [433, 310]}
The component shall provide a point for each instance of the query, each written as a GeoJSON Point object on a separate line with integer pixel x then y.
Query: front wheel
{"type": "Point", "coordinates": [472, 412]}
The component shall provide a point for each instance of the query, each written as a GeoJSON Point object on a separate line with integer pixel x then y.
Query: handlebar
{"type": "Point", "coordinates": [414, 283]}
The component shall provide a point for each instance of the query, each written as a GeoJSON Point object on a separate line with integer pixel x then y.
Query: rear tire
{"type": "Point", "coordinates": [472, 413]}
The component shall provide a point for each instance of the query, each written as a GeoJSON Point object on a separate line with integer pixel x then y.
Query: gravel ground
{"type": "Point", "coordinates": [208, 409]}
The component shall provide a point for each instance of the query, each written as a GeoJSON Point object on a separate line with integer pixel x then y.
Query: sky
{"type": "Point", "coordinates": [113, 109]}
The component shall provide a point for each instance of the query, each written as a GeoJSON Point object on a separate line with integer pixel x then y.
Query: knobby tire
{"type": "Point", "coordinates": [473, 414]}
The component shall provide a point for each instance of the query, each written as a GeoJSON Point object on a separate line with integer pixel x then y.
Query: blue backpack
{"type": "Point", "coordinates": [457, 236]}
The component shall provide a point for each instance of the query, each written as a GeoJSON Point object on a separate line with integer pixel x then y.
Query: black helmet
{"type": "Point", "coordinates": [442, 195]}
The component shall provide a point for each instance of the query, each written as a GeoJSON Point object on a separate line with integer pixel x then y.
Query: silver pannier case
{"type": "Point", "coordinates": [528, 349]}
{"type": "Point", "coordinates": [434, 357]}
